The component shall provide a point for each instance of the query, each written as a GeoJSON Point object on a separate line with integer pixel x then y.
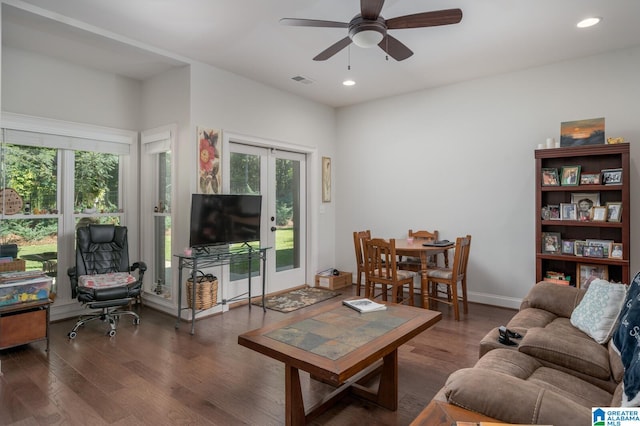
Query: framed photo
{"type": "Point", "coordinates": [586, 273]}
{"type": "Point", "coordinates": [612, 176]}
{"type": "Point", "coordinates": [582, 132]}
{"type": "Point", "coordinates": [585, 201]}
{"type": "Point", "coordinates": [599, 214]}
{"type": "Point", "coordinates": [568, 211]}
{"type": "Point", "coordinates": [550, 177]}
{"type": "Point", "coordinates": [578, 247]}
{"type": "Point", "coordinates": [616, 251]}
{"type": "Point", "coordinates": [568, 247]}
{"type": "Point", "coordinates": [551, 242]}
{"type": "Point", "coordinates": [570, 176]}
{"type": "Point", "coordinates": [605, 244]}
{"type": "Point", "coordinates": [614, 212]}
{"type": "Point", "coordinates": [554, 211]}
{"type": "Point", "coordinates": [326, 179]}
{"type": "Point", "coordinates": [590, 178]}
{"type": "Point", "coordinates": [593, 251]}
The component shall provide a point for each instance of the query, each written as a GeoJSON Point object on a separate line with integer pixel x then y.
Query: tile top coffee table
{"type": "Point", "coordinates": [340, 346]}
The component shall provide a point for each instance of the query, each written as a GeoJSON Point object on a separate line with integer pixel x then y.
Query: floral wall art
{"type": "Point", "coordinates": [209, 173]}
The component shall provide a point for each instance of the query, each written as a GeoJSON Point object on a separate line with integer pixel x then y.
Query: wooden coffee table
{"type": "Point", "coordinates": [340, 346]}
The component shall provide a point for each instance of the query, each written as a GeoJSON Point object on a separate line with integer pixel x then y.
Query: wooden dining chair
{"type": "Point", "coordinates": [413, 263]}
{"type": "Point", "coordinates": [450, 277]}
{"type": "Point", "coordinates": [358, 242]}
{"type": "Point", "coordinates": [381, 269]}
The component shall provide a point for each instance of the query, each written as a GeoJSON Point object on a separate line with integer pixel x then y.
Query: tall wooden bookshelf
{"type": "Point", "coordinates": [591, 159]}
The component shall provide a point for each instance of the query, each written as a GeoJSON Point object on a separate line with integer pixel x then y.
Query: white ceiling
{"type": "Point", "coordinates": [139, 38]}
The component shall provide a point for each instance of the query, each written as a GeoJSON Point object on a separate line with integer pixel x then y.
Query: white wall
{"type": "Point", "coordinates": [226, 101]}
{"type": "Point", "coordinates": [460, 159]}
{"type": "Point", "coordinates": [42, 86]}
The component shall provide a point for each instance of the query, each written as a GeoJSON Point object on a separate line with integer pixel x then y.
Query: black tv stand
{"type": "Point", "coordinates": [210, 256]}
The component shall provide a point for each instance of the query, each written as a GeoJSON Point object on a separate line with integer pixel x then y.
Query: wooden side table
{"type": "Point", "coordinates": [22, 323]}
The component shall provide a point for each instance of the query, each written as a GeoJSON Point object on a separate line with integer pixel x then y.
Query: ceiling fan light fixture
{"type": "Point", "coordinates": [348, 82]}
{"type": "Point", "coordinates": [367, 38]}
{"type": "Point", "coordinates": [589, 22]}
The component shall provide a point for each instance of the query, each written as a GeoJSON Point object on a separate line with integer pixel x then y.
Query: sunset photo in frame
{"type": "Point", "coordinates": [582, 132]}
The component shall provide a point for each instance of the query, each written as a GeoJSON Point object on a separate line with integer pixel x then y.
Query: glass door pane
{"type": "Point", "coordinates": [287, 238]}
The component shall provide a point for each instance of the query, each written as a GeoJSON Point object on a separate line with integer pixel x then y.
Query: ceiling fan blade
{"type": "Point", "coordinates": [425, 19]}
{"type": "Point", "coordinates": [333, 49]}
{"type": "Point", "coordinates": [313, 23]}
{"type": "Point", "coordinates": [395, 48]}
{"type": "Point", "coordinates": [370, 9]}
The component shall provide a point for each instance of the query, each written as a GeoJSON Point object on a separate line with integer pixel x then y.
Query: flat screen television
{"type": "Point", "coordinates": [224, 219]}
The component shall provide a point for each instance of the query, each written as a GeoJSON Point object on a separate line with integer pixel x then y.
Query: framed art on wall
{"type": "Point", "coordinates": [326, 179]}
{"type": "Point", "coordinates": [209, 171]}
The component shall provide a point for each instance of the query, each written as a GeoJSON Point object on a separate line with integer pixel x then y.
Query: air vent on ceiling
{"type": "Point", "coordinates": [301, 79]}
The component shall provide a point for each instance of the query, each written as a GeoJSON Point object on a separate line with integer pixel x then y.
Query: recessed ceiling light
{"type": "Point", "coordinates": [348, 82]}
{"type": "Point", "coordinates": [589, 22]}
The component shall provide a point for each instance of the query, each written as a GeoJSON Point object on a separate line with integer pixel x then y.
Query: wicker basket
{"type": "Point", "coordinates": [206, 292]}
{"type": "Point", "coordinates": [15, 265]}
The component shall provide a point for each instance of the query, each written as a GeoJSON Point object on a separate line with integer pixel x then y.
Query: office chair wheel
{"type": "Point", "coordinates": [72, 335]}
{"type": "Point", "coordinates": [112, 333]}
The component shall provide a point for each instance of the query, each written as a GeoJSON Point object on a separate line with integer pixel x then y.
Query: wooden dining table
{"type": "Point", "coordinates": [416, 248]}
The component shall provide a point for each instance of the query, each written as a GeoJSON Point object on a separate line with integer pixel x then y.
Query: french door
{"type": "Point", "coordinates": [279, 176]}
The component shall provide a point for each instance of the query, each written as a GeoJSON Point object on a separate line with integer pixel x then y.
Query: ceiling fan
{"type": "Point", "coordinates": [369, 28]}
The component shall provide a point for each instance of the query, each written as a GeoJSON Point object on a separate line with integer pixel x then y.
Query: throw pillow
{"type": "Point", "coordinates": [631, 381]}
{"type": "Point", "coordinates": [597, 313]}
{"type": "Point", "coordinates": [629, 319]}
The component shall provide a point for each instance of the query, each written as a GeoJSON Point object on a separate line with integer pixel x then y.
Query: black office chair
{"type": "Point", "coordinates": [102, 276]}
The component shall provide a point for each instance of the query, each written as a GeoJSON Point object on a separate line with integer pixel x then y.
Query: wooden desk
{"type": "Point", "coordinates": [347, 347]}
{"type": "Point", "coordinates": [416, 249]}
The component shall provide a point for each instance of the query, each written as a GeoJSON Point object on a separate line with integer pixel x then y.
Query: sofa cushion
{"type": "Point", "coordinates": [597, 313]}
{"type": "Point", "coordinates": [575, 351]}
{"type": "Point", "coordinates": [557, 299]}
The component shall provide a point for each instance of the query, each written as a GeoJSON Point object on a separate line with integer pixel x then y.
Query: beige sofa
{"type": "Point", "coordinates": [555, 375]}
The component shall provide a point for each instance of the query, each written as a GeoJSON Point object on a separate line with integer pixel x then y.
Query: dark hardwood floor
{"type": "Point", "coordinates": [157, 375]}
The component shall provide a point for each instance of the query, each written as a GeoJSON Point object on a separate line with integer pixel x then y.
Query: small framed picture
{"type": "Point", "coordinates": [550, 177]}
{"type": "Point", "coordinates": [585, 201]}
{"type": "Point", "coordinates": [578, 247]}
{"type": "Point", "coordinates": [568, 211]}
{"type": "Point", "coordinates": [590, 178]}
{"type": "Point", "coordinates": [616, 251]}
{"type": "Point", "coordinates": [599, 214]}
{"type": "Point", "coordinates": [614, 212]}
{"type": "Point", "coordinates": [570, 176]}
{"type": "Point", "coordinates": [554, 211]}
{"type": "Point", "coordinates": [593, 251]}
{"type": "Point", "coordinates": [605, 244]}
{"type": "Point", "coordinates": [551, 242]}
{"type": "Point", "coordinates": [568, 247]}
{"type": "Point", "coordinates": [586, 273]}
{"type": "Point", "coordinates": [612, 176]}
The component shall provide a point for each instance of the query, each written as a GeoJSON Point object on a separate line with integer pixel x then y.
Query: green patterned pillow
{"type": "Point", "coordinates": [597, 313]}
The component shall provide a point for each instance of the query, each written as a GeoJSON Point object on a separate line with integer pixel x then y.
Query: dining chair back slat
{"type": "Point", "coordinates": [381, 269]}
{"type": "Point", "coordinates": [359, 237]}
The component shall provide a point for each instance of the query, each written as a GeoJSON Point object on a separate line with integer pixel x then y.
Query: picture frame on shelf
{"type": "Point", "coordinates": [550, 177]}
{"type": "Point", "coordinates": [590, 178]}
{"type": "Point", "coordinates": [593, 251]}
{"type": "Point", "coordinates": [585, 201]}
{"type": "Point", "coordinates": [568, 211]}
{"type": "Point", "coordinates": [554, 211]}
{"type": "Point", "coordinates": [551, 243]}
{"type": "Point", "coordinates": [568, 247]}
{"type": "Point", "coordinates": [570, 176]}
{"type": "Point", "coordinates": [614, 211]}
{"type": "Point", "coordinates": [586, 273]}
{"type": "Point", "coordinates": [616, 251]}
{"type": "Point", "coordinates": [605, 244]}
{"type": "Point", "coordinates": [612, 176]}
{"type": "Point", "coordinates": [599, 214]}
{"type": "Point", "coordinates": [578, 247]}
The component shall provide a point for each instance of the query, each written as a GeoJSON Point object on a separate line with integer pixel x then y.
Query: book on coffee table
{"type": "Point", "coordinates": [364, 305]}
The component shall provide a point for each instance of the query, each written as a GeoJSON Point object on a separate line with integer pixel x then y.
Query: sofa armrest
{"type": "Point", "coordinates": [511, 399]}
{"type": "Point", "coordinates": [557, 299]}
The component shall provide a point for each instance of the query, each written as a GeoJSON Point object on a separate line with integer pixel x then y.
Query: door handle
{"type": "Point", "coordinates": [273, 229]}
